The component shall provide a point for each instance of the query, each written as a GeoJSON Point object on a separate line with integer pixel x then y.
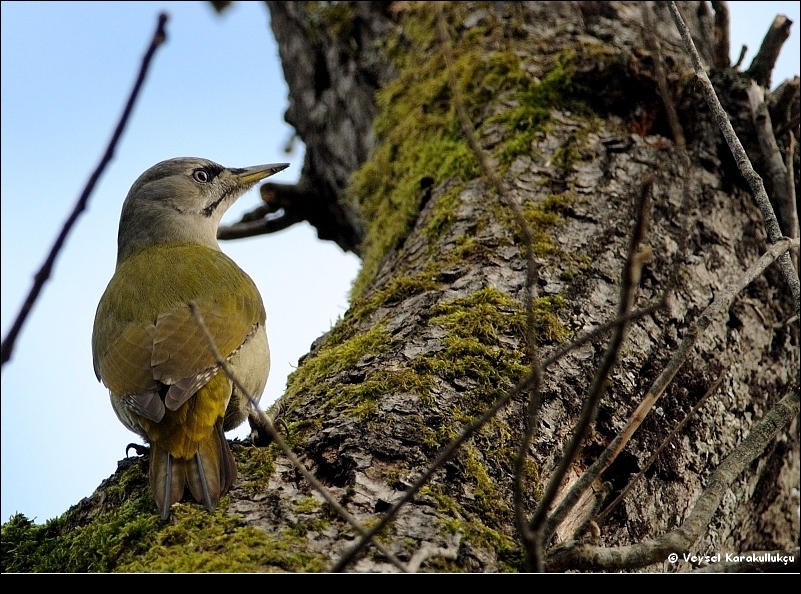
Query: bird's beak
{"type": "Point", "coordinates": [250, 175]}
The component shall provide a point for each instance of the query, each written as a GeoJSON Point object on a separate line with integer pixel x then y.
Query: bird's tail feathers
{"type": "Point", "coordinates": [166, 479]}
{"type": "Point", "coordinates": [208, 474]}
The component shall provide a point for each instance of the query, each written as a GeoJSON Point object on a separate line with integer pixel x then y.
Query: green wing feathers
{"type": "Point", "coordinates": [142, 337]}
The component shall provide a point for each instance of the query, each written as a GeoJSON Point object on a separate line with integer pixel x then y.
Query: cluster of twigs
{"type": "Point", "coordinates": [536, 530]}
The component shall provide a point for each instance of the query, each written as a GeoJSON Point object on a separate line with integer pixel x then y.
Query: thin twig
{"type": "Point", "coordinates": [533, 407]}
{"type": "Point", "coordinates": [721, 304]}
{"type": "Point", "coordinates": [445, 455]}
{"type": "Point", "coordinates": [630, 281]}
{"type": "Point", "coordinates": [743, 163]}
{"type": "Point", "coordinates": [267, 423]}
{"type": "Point", "coordinates": [590, 557]}
{"type": "Point", "coordinates": [604, 514]}
{"type": "Point", "coordinates": [532, 422]}
{"type": "Point", "coordinates": [41, 277]}
{"type": "Point", "coordinates": [791, 187]}
{"type": "Point", "coordinates": [600, 331]}
{"type": "Point", "coordinates": [492, 176]}
{"type": "Point", "coordinates": [678, 137]}
{"type": "Point", "coordinates": [741, 57]}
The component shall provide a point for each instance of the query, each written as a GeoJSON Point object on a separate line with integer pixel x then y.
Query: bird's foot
{"type": "Point", "coordinates": [260, 434]}
{"type": "Point", "coordinates": [140, 450]}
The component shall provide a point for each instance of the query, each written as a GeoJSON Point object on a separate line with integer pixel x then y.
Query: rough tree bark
{"type": "Point", "coordinates": [563, 97]}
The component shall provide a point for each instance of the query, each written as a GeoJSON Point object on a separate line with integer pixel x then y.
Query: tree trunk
{"type": "Point", "coordinates": [563, 98]}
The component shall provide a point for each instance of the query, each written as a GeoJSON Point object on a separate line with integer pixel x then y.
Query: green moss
{"type": "Point", "coordinates": [445, 435]}
{"type": "Point", "coordinates": [468, 358]}
{"type": "Point", "coordinates": [196, 541]}
{"type": "Point", "coordinates": [332, 359]}
{"type": "Point", "coordinates": [418, 133]}
{"type": "Point", "coordinates": [467, 249]}
{"type": "Point", "coordinates": [356, 398]}
{"type": "Point", "coordinates": [488, 497]}
{"type": "Point", "coordinates": [336, 18]}
{"type": "Point", "coordinates": [71, 544]}
{"type": "Point", "coordinates": [546, 323]}
{"type": "Point", "coordinates": [380, 383]}
{"type": "Point", "coordinates": [473, 529]}
{"type": "Point", "coordinates": [542, 218]}
{"type": "Point", "coordinates": [400, 289]}
{"type": "Point", "coordinates": [133, 538]}
{"type": "Point", "coordinates": [443, 215]}
{"type": "Point", "coordinates": [489, 313]}
{"type": "Point", "coordinates": [417, 130]}
{"type": "Point", "coordinates": [535, 102]}
{"type": "Point", "coordinates": [475, 350]}
{"type": "Point", "coordinates": [256, 466]}
{"type": "Point", "coordinates": [484, 315]}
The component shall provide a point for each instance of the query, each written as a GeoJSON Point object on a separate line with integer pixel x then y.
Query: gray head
{"type": "Point", "coordinates": [182, 201]}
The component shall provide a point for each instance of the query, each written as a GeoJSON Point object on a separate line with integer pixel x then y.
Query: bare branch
{"type": "Point", "coordinates": [259, 222]}
{"type": "Point", "coordinates": [721, 303]}
{"type": "Point", "coordinates": [41, 277]}
{"type": "Point", "coordinates": [784, 106]}
{"type": "Point", "coordinates": [284, 205]}
{"type": "Point", "coordinates": [763, 63]}
{"type": "Point", "coordinates": [792, 196]}
{"type": "Point", "coordinates": [590, 557]}
{"type": "Point", "coordinates": [604, 514]}
{"type": "Point", "coordinates": [446, 454]}
{"type": "Point", "coordinates": [772, 156]}
{"type": "Point", "coordinates": [741, 57]}
{"type": "Point", "coordinates": [721, 54]}
{"type": "Point", "coordinates": [429, 551]}
{"type": "Point", "coordinates": [678, 135]}
{"type": "Point", "coordinates": [266, 423]}
{"type": "Point", "coordinates": [629, 283]}
{"type": "Point", "coordinates": [287, 204]}
{"type": "Point", "coordinates": [529, 538]}
{"type": "Point", "coordinates": [743, 163]}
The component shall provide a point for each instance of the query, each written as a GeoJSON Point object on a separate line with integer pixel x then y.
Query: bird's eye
{"type": "Point", "coordinates": [201, 176]}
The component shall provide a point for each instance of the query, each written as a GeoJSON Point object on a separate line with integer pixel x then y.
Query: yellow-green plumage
{"type": "Point", "coordinates": [164, 381]}
{"type": "Point", "coordinates": [150, 335]}
{"type": "Point", "coordinates": [193, 430]}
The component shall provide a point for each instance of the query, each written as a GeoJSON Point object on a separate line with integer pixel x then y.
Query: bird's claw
{"type": "Point", "coordinates": [140, 450]}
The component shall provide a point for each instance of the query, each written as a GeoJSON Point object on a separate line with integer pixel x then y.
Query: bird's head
{"type": "Point", "coordinates": [182, 201]}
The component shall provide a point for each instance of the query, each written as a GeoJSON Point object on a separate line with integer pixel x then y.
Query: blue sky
{"type": "Point", "coordinates": [215, 90]}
